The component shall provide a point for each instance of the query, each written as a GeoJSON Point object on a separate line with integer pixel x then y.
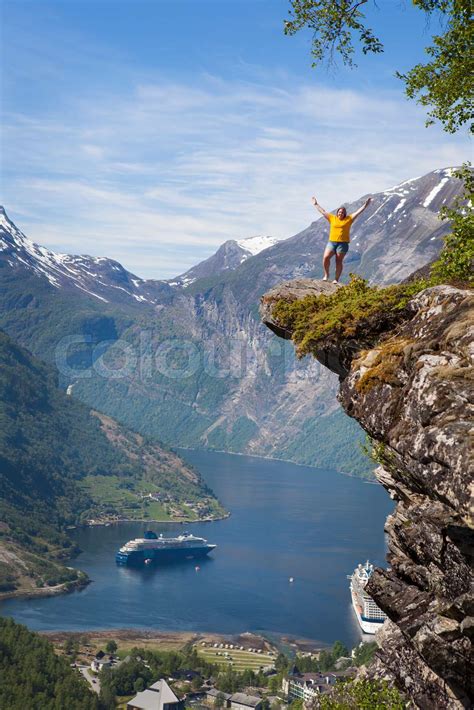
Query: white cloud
{"type": "Point", "coordinates": [94, 151]}
{"type": "Point", "coordinates": [158, 177]}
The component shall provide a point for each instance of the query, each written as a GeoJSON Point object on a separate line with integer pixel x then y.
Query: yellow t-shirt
{"type": "Point", "coordinates": [340, 228]}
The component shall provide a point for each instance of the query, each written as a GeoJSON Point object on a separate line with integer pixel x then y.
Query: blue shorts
{"type": "Point", "coordinates": [338, 247]}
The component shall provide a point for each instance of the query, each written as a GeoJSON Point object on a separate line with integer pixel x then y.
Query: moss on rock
{"type": "Point", "coordinates": [356, 312]}
{"type": "Point", "coordinates": [381, 366]}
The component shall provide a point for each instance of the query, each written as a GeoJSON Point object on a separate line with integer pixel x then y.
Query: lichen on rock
{"type": "Point", "coordinates": [406, 376]}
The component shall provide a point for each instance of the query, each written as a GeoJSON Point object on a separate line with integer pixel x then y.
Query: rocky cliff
{"type": "Point", "coordinates": [406, 377]}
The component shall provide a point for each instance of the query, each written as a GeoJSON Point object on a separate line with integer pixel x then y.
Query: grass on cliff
{"type": "Point", "coordinates": [358, 309]}
{"type": "Point", "coordinates": [317, 320]}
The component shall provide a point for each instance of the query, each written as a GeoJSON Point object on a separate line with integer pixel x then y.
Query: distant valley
{"type": "Point", "coordinates": [196, 368]}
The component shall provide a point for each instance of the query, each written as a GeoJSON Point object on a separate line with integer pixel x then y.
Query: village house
{"type": "Point", "coordinates": [212, 694]}
{"type": "Point", "coordinates": [242, 701]}
{"type": "Point", "coordinates": [307, 686]}
{"type": "Point", "coordinates": [101, 662]}
{"type": "Point", "coordinates": [158, 696]}
{"type": "Point", "coordinates": [186, 674]}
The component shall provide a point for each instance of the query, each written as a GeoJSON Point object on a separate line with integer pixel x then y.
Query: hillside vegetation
{"type": "Point", "coordinates": [33, 676]}
{"type": "Point", "coordinates": [61, 464]}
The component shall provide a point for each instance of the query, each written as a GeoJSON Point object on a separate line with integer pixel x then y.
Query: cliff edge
{"type": "Point", "coordinates": [406, 375]}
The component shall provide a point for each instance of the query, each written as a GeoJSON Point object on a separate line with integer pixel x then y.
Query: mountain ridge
{"type": "Point", "coordinates": [228, 256]}
{"type": "Point", "coordinates": [63, 270]}
{"type": "Point", "coordinates": [233, 398]}
{"type": "Point", "coordinates": [156, 289]}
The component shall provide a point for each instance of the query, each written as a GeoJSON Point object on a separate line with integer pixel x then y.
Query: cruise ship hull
{"type": "Point", "coordinates": [137, 558]}
{"type": "Point", "coordinates": [368, 626]}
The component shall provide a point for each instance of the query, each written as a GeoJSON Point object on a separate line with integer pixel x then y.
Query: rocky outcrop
{"type": "Point", "coordinates": [412, 392]}
{"type": "Point", "coordinates": [295, 290]}
{"type": "Point", "coordinates": [289, 292]}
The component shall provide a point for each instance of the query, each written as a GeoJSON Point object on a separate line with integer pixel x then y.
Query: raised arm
{"type": "Point", "coordinates": [361, 209]}
{"type": "Point", "coordinates": [319, 208]}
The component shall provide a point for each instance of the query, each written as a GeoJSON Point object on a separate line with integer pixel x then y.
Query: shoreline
{"type": "Point", "coordinates": [64, 588]}
{"type": "Point", "coordinates": [84, 580]}
{"type": "Point", "coordinates": [275, 458]}
{"type": "Point", "coordinates": [181, 638]}
{"type": "Point", "coordinates": [108, 523]}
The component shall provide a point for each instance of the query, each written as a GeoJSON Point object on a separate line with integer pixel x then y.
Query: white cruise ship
{"type": "Point", "coordinates": [369, 615]}
{"type": "Point", "coordinates": [151, 548]}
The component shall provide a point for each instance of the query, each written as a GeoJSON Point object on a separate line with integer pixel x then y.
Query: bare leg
{"type": "Point", "coordinates": [339, 260]}
{"type": "Point", "coordinates": [327, 262]}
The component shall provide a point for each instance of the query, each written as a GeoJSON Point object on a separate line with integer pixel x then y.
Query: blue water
{"type": "Point", "coordinates": [287, 521]}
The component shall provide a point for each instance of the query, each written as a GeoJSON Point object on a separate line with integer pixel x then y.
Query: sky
{"type": "Point", "coordinates": [151, 131]}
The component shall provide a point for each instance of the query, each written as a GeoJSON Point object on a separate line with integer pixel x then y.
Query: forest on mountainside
{"type": "Point", "coordinates": [33, 676]}
{"type": "Point", "coordinates": [58, 464]}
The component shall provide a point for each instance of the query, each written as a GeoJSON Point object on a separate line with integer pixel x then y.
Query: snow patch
{"type": "Point", "coordinates": [449, 172]}
{"type": "Point", "coordinates": [255, 245]}
{"type": "Point", "coordinates": [397, 187]}
{"type": "Point", "coordinates": [92, 293]}
{"type": "Point", "coordinates": [400, 205]}
{"type": "Point", "coordinates": [378, 208]}
{"type": "Point", "coordinates": [435, 191]}
{"type": "Point", "coordinates": [141, 298]}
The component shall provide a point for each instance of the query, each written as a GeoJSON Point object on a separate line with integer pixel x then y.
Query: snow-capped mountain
{"type": "Point", "coordinates": [399, 232]}
{"type": "Point", "coordinates": [99, 277]}
{"type": "Point", "coordinates": [217, 318]}
{"type": "Point", "coordinates": [227, 258]}
{"type": "Point", "coordinates": [402, 221]}
{"type": "Point", "coordinates": [254, 245]}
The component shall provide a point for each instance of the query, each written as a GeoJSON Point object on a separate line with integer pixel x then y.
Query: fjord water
{"type": "Point", "coordinates": [286, 521]}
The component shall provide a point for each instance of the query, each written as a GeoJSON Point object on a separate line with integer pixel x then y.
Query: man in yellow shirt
{"type": "Point", "coordinates": [339, 236]}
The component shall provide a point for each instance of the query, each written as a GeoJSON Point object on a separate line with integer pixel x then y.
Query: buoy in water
{"type": "Point", "coordinates": [291, 579]}
{"type": "Point", "coordinates": [197, 568]}
{"type": "Point", "coordinates": [148, 561]}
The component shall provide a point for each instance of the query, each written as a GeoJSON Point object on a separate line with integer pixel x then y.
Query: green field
{"type": "Point", "coordinates": [240, 660]}
{"type": "Point", "coordinates": [124, 497]}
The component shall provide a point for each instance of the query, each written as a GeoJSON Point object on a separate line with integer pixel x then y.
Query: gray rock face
{"type": "Point", "coordinates": [413, 394]}
{"type": "Point", "coordinates": [424, 423]}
